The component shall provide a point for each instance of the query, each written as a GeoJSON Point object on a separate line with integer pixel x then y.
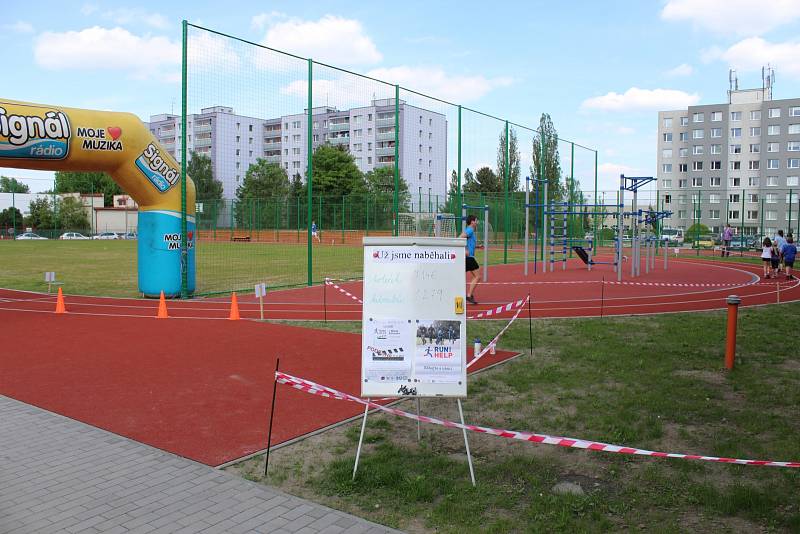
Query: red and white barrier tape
{"type": "Point", "coordinates": [318, 389]}
{"type": "Point", "coordinates": [493, 342]}
{"type": "Point", "coordinates": [514, 304]}
{"type": "Point", "coordinates": [328, 282]}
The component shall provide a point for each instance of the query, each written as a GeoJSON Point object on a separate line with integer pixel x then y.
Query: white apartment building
{"type": "Point", "coordinates": [233, 142]}
{"type": "Point", "coordinates": [736, 163]}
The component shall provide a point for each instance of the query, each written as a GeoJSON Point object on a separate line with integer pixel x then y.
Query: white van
{"type": "Point", "coordinates": [672, 235]}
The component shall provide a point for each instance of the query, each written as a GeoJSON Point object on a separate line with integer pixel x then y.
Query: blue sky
{"type": "Point", "coordinates": [602, 70]}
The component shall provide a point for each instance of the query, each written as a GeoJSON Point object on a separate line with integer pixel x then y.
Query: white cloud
{"type": "Point", "coordinates": [740, 17]}
{"type": "Point", "coordinates": [331, 39]}
{"type": "Point", "coordinates": [753, 53]}
{"type": "Point", "coordinates": [99, 48]}
{"type": "Point", "coordinates": [684, 69]}
{"type": "Point", "coordinates": [434, 81]}
{"type": "Point", "coordinates": [635, 99]}
{"type": "Point", "coordinates": [124, 16]}
{"type": "Point", "coordinates": [625, 130]}
{"type": "Point", "coordinates": [19, 27]}
{"type": "Point", "coordinates": [211, 51]}
{"type": "Point", "coordinates": [262, 20]}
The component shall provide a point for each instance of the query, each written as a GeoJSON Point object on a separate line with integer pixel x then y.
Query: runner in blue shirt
{"type": "Point", "coordinates": [314, 232]}
{"type": "Point", "coordinates": [789, 251]}
{"type": "Point", "coordinates": [471, 263]}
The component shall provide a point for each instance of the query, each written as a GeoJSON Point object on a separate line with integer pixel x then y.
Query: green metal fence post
{"type": "Point", "coordinates": [343, 215]}
{"type": "Point", "coordinates": [595, 200]}
{"type": "Point", "coordinates": [741, 216]}
{"type": "Point", "coordinates": [570, 217]}
{"type": "Point", "coordinates": [506, 218]}
{"type": "Point", "coordinates": [459, 200]}
{"type": "Point", "coordinates": [396, 196]}
{"type": "Point", "coordinates": [789, 211]}
{"type": "Point", "coordinates": [310, 173]}
{"type": "Point", "coordinates": [543, 180]}
{"type": "Point", "coordinates": [184, 243]}
{"type": "Point", "coordinates": [762, 217]}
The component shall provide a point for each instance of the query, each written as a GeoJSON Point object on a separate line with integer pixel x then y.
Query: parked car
{"type": "Point", "coordinates": [706, 241]}
{"type": "Point", "coordinates": [106, 235]}
{"type": "Point", "coordinates": [30, 235]}
{"type": "Point", "coordinates": [129, 235]}
{"type": "Point", "coordinates": [672, 235]}
{"type": "Point", "coordinates": [73, 235]}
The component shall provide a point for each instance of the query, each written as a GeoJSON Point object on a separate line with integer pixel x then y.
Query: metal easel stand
{"type": "Point", "coordinates": [464, 430]}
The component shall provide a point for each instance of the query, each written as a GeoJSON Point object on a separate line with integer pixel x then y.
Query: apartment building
{"type": "Point", "coordinates": [233, 142]}
{"type": "Point", "coordinates": [736, 163]}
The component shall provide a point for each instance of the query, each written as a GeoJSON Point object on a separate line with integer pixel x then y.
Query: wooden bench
{"type": "Point", "coordinates": [240, 237]}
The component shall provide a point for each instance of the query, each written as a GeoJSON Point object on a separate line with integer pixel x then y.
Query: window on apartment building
{"type": "Point", "coordinates": [358, 147]}
{"type": "Point", "coordinates": [666, 183]}
{"type": "Point", "coordinates": [716, 149]}
{"type": "Point", "coordinates": [237, 126]}
{"type": "Point", "coordinates": [792, 181]}
{"type": "Point", "coordinates": [683, 136]}
{"type": "Point", "coordinates": [250, 141]}
{"type": "Point", "coordinates": [238, 139]}
{"type": "Point", "coordinates": [681, 214]}
{"type": "Point", "coordinates": [369, 117]}
{"type": "Point", "coordinates": [286, 139]}
{"type": "Point", "coordinates": [697, 181]}
{"type": "Point", "coordinates": [369, 160]}
{"type": "Point", "coordinates": [430, 122]}
{"type": "Point", "coordinates": [683, 152]}
{"type": "Point", "coordinates": [683, 183]}
{"type": "Point", "coordinates": [285, 151]}
{"type": "Point", "coordinates": [715, 181]}
{"type": "Point", "coordinates": [772, 181]}
{"type": "Point", "coordinates": [430, 177]}
{"type": "Point", "coordinates": [286, 165]}
{"type": "Point", "coordinates": [736, 132]}
{"type": "Point", "coordinates": [736, 115]}
{"type": "Point", "coordinates": [714, 198]}
{"type": "Point", "coordinates": [793, 163]}
{"type": "Point", "coordinates": [752, 198]}
{"type": "Point", "coordinates": [716, 132]}
{"type": "Point", "coordinates": [755, 148]}
{"type": "Point", "coordinates": [774, 129]}
{"type": "Point", "coordinates": [697, 166]}
{"type": "Point", "coordinates": [250, 127]}
{"type": "Point", "coordinates": [752, 215]}
{"type": "Point", "coordinates": [697, 117]}
{"type": "Point", "coordinates": [755, 131]}
{"type": "Point", "coordinates": [771, 198]}
{"type": "Point", "coordinates": [683, 167]}
{"type": "Point", "coordinates": [698, 134]}
{"type": "Point", "coordinates": [430, 163]}
{"type": "Point", "coordinates": [667, 122]}
{"type": "Point", "coordinates": [735, 149]}
{"type": "Point", "coordinates": [316, 125]}
{"type": "Point", "coordinates": [716, 166]}
{"type": "Point", "coordinates": [684, 121]}
{"type": "Point", "coordinates": [237, 151]}
{"type": "Point", "coordinates": [286, 126]}
{"type": "Point", "coordinates": [357, 119]}
{"type": "Point", "coordinates": [667, 137]}
{"type": "Point", "coordinates": [774, 113]}
{"type": "Point", "coordinates": [794, 129]}
{"type": "Point", "coordinates": [667, 199]}
{"type": "Point", "coordinates": [771, 215]}
{"type": "Point", "coordinates": [295, 164]}
{"type": "Point", "coordinates": [754, 165]}
{"type": "Point", "coordinates": [237, 164]}
{"type": "Point", "coordinates": [419, 162]}
{"type": "Point", "coordinates": [666, 153]}
{"type": "Point", "coordinates": [315, 138]}
{"type": "Point", "coordinates": [420, 149]}
{"type": "Point", "coordinates": [420, 134]}
{"type": "Point", "coordinates": [791, 198]}
{"type": "Point", "coordinates": [296, 151]}
{"type": "Point", "coordinates": [794, 111]}
{"type": "Point", "coordinates": [755, 115]}
{"type": "Point", "coordinates": [734, 182]}
{"type": "Point", "coordinates": [698, 150]}
{"type": "Point", "coordinates": [296, 138]}
{"type": "Point", "coordinates": [773, 164]}
{"type": "Point", "coordinates": [733, 214]}
{"type": "Point", "coordinates": [773, 147]}
{"type": "Point", "coordinates": [716, 116]}
{"type": "Point", "coordinates": [734, 198]}
{"type": "Point", "coordinates": [251, 153]}
{"type": "Point", "coordinates": [666, 167]}
{"type": "Point", "coordinates": [713, 214]}
{"type": "Point", "coordinates": [734, 165]}
{"type": "Point", "coordinates": [325, 123]}
{"type": "Point", "coordinates": [369, 147]}
{"type": "Point", "coordinates": [753, 181]}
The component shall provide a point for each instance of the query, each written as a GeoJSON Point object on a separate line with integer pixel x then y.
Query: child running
{"type": "Point", "coordinates": [789, 252]}
{"type": "Point", "coordinates": [766, 256]}
{"type": "Point", "coordinates": [776, 258]}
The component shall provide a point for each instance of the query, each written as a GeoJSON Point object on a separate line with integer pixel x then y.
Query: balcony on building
{"type": "Point", "coordinates": [385, 134]}
{"type": "Point", "coordinates": [340, 140]}
{"type": "Point", "coordinates": [384, 119]}
{"type": "Point", "coordinates": [339, 125]}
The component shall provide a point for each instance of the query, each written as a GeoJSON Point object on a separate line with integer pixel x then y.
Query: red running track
{"type": "Point", "coordinates": [199, 389]}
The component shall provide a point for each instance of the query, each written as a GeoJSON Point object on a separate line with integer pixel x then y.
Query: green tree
{"type": "Point", "coordinates": [545, 158]}
{"type": "Point", "coordinates": [70, 214]}
{"type": "Point", "coordinates": [88, 183]}
{"type": "Point", "coordinates": [468, 183]}
{"type": "Point", "coordinates": [12, 185]}
{"type": "Point", "coordinates": [264, 185]}
{"type": "Point", "coordinates": [200, 170]}
{"type": "Point", "coordinates": [452, 193]}
{"type": "Point", "coordinates": [297, 188]}
{"type": "Point", "coordinates": [11, 218]}
{"type": "Point", "coordinates": [380, 184]}
{"type": "Point", "coordinates": [486, 181]}
{"type": "Point", "coordinates": [695, 231]}
{"type": "Point", "coordinates": [40, 214]}
{"type": "Point", "coordinates": [513, 160]}
{"type": "Point", "coordinates": [335, 172]}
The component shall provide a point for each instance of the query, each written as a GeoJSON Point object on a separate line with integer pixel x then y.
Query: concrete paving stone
{"type": "Point", "coordinates": [345, 521]}
{"type": "Point", "coordinates": [222, 527]}
{"type": "Point", "coordinates": [86, 523]}
{"type": "Point", "coordinates": [328, 519]}
{"type": "Point", "coordinates": [299, 522]}
{"type": "Point", "coordinates": [332, 529]}
{"type": "Point", "coordinates": [358, 528]}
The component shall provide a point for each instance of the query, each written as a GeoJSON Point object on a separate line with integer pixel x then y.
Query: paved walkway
{"type": "Point", "coordinates": [60, 475]}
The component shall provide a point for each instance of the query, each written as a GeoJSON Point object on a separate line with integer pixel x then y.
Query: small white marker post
{"type": "Point", "coordinates": [50, 278]}
{"type": "Point", "coordinates": [261, 292]}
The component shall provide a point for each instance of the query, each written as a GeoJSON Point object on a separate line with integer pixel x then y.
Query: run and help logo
{"type": "Point", "coordinates": [35, 133]}
{"type": "Point", "coordinates": [415, 255]}
{"type": "Point", "coordinates": [156, 168]}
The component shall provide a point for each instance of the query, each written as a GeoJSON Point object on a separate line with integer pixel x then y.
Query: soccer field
{"type": "Point", "coordinates": [108, 268]}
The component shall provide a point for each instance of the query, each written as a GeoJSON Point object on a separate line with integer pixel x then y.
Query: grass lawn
{"type": "Point", "coordinates": [109, 268]}
{"type": "Point", "coordinates": [653, 382]}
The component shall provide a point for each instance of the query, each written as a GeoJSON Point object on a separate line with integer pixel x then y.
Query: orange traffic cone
{"type": "Point", "coordinates": [162, 308]}
{"type": "Point", "coordinates": [60, 308]}
{"type": "Point", "coordinates": [234, 316]}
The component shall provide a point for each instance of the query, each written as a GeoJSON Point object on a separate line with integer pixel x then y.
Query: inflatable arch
{"type": "Point", "coordinates": [34, 136]}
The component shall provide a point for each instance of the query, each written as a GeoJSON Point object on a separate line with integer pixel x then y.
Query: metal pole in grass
{"type": "Point", "coordinates": [506, 215]}
{"type": "Point", "coordinates": [325, 300]}
{"type": "Point", "coordinates": [271, 413]}
{"type": "Point", "coordinates": [530, 324]}
{"type": "Point", "coordinates": [602, 294]}
{"type": "Point", "coordinates": [310, 174]}
{"type": "Point", "coordinates": [730, 344]}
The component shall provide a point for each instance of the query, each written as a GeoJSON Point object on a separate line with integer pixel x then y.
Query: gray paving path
{"type": "Point", "coordinates": [60, 475]}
